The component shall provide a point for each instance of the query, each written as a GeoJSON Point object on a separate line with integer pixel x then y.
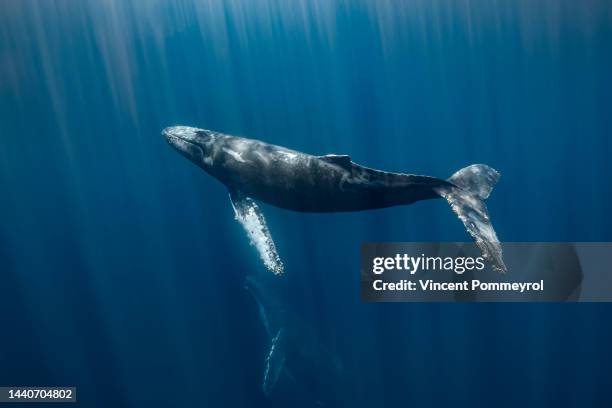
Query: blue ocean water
{"type": "Point", "coordinates": [122, 265]}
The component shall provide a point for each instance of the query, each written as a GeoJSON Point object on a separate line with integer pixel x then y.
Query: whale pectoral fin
{"type": "Point", "coordinates": [252, 220]}
{"type": "Point", "coordinates": [275, 362]}
{"type": "Point", "coordinates": [342, 160]}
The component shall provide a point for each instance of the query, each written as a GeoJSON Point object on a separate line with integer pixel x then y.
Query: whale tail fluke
{"type": "Point", "coordinates": [477, 179]}
{"type": "Point", "coordinates": [469, 188]}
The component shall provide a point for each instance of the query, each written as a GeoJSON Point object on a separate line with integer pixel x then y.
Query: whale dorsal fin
{"type": "Point", "coordinates": [343, 160]}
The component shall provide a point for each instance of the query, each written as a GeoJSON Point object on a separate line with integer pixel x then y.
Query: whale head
{"type": "Point", "coordinates": [198, 145]}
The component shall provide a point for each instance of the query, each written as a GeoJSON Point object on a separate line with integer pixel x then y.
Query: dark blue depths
{"type": "Point", "coordinates": [122, 266]}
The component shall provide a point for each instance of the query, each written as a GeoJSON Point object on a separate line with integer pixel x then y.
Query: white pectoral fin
{"type": "Point", "coordinates": [252, 219]}
{"type": "Point", "coordinates": [275, 362]}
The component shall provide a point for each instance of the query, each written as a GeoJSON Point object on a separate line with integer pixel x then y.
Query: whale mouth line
{"type": "Point", "coordinates": [172, 137]}
{"type": "Point", "coordinates": [184, 144]}
{"type": "Point", "coordinates": [175, 140]}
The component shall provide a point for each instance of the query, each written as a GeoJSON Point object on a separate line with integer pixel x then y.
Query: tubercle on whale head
{"type": "Point", "coordinates": [195, 144]}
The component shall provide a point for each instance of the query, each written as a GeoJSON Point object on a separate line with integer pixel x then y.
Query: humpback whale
{"type": "Point", "coordinates": [256, 171]}
{"type": "Point", "coordinates": [297, 358]}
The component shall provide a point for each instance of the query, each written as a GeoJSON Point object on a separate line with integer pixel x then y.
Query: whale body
{"type": "Point", "coordinates": [253, 170]}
